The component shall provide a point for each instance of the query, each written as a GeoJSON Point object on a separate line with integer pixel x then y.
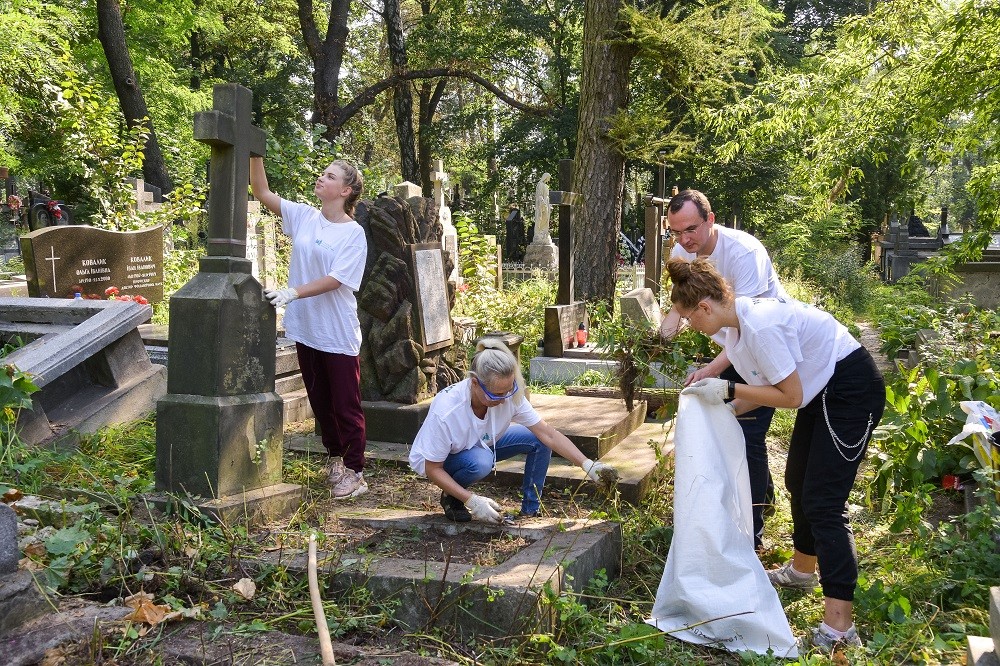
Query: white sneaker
{"type": "Point", "coordinates": [822, 637]}
{"type": "Point", "coordinates": [336, 471]}
{"type": "Point", "coordinates": [351, 484]}
{"type": "Point", "coordinates": [787, 576]}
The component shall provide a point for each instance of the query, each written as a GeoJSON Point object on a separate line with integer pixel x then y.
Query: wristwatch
{"type": "Point", "coordinates": [731, 393]}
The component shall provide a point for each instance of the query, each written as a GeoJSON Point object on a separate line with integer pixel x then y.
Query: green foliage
{"type": "Point", "coordinates": [16, 388]}
{"type": "Point", "coordinates": [519, 309]}
{"type": "Point", "coordinates": [476, 256]}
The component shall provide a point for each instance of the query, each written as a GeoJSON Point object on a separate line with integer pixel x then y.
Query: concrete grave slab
{"type": "Point", "coordinates": [472, 601]}
{"type": "Point", "coordinates": [88, 360]}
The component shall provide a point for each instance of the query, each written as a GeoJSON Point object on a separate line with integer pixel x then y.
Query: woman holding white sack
{"type": "Point", "coordinates": [795, 356]}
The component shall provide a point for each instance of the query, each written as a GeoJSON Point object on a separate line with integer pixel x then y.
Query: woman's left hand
{"type": "Point", "coordinates": [713, 390]}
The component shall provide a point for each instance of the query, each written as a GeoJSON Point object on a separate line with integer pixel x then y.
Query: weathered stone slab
{"type": "Point", "coordinates": [56, 258]}
{"type": "Point", "coordinates": [561, 324]}
{"type": "Point", "coordinates": [640, 306]}
{"type": "Point", "coordinates": [8, 540]}
{"type": "Point", "coordinates": [501, 600]}
{"type": "Point", "coordinates": [20, 601]}
{"type": "Point", "coordinates": [29, 644]}
{"type": "Point", "coordinates": [430, 283]}
{"type": "Point", "coordinates": [995, 616]}
{"type": "Point", "coordinates": [981, 652]}
{"type": "Point", "coordinates": [88, 359]}
{"type": "Point", "coordinates": [595, 425]}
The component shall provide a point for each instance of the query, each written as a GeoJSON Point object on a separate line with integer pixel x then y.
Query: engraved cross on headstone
{"type": "Point", "coordinates": [565, 200]}
{"type": "Point", "coordinates": [227, 128]}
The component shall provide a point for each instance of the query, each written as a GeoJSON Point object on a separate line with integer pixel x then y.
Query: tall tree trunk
{"type": "Point", "coordinates": [599, 170]}
{"type": "Point", "coordinates": [430, 96]}
{"type": "Point", "coordinates": [111, 32]}
{"type": "Point", "coordinates": [327, 54]}
{"type": "Point", "coordinates": [402, 95]}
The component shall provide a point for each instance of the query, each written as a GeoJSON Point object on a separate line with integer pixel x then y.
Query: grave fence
{"type": "Point", "coordinates": [630, 276]}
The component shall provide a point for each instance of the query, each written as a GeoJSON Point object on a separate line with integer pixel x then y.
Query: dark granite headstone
{"type": "Point", "coordinates": [431, 286]}
{"type": "Point", "coordinates": [56, 258]}
{"type": "Point", "coordinates": [8, 540]}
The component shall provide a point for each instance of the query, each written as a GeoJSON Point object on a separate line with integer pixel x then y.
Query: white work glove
{"type": "Point", "coordinates": [483, 508]}
{"type": "Point", "coordinates": [713, 391]}
{"type": "Point", "coordinates": [280, 297]}
{"type": "Point", "coordinates": [600, 473]}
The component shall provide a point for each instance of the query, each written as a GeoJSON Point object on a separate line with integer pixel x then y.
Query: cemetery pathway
{"type": "Point", "coordinates": [872, 341]}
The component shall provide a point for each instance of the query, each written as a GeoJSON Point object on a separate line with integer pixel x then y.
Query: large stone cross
{"type": "Point", "coordinates": [228, 129]}
{"type": "Point", "coordinates": [564, 200]}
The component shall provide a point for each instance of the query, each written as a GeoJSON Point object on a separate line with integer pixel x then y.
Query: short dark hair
{"type": "Point", "coordinates": [699, 200]}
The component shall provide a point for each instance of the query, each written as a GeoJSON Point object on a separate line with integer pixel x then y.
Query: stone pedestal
{"type": "Point", "coordinates": [542, 254]}
{"type": "Point", "coordinates": [219, 429]}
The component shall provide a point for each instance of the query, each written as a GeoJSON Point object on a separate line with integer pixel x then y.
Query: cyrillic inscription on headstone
{"type": "Point", "coordinates": [57, 258]}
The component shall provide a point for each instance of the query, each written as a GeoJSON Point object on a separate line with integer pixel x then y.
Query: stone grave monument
{"type": "Point", "coordinates": [449, 234]}
{"type": "Point", "coordinates": [219, 428]}
{"type": "Point", "coordinates": [563, 319]}
{"type": "Point", "coordinates": [640, 307]}
{"type": "Point", "coordinates": [513, 244]}
{"type": "Point", "coordinates": [88, 360]}
{"type": "Point", "coordinates": [60, 257]}
{"type": "Point", "coordinates": [542, 252]}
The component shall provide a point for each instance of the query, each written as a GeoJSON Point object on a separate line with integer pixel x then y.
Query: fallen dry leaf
{"type": "Point", "coordinates": [144, 610]}
{"type": "Point", "coordinates": [246, 588]}
{"type": "Point", "coordinates": [12, 495]}
{"type": "Point", "coordinates": [36, 549]}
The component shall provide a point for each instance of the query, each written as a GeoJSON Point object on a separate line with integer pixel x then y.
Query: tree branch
{"type": "Point", "coordinates": [309, 32]}
{"type": "Point", "coordinates": [368, 95]}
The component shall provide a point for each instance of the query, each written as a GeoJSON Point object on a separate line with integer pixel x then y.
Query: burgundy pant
{"type": "Point", "coordinates": [333, 383]}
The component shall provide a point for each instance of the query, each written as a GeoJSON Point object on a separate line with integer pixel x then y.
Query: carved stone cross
{"type": "Point", "coordinates": [228, 129]}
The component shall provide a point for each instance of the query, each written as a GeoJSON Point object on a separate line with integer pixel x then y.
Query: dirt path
{"type": "Point", "coordinates": [872, 342]}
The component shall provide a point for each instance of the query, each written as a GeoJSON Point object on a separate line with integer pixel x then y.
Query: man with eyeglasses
{"type": "Point", "coordinates": [744, 263]}
{"type": "Point", "coordinates": [481, 420]}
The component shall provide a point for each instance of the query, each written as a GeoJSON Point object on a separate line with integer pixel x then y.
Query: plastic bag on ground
{"type": "Point", "coordinates": [714, 590]}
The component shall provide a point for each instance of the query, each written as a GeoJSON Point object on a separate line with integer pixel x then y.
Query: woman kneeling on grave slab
{"type": "Point", "coordinates": [484, 419]}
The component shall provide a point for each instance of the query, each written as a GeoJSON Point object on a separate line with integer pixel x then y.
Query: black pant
{"type": "Point", "coordinates": [820, 472]}
{"type": "Point", "coordinates": [755, 424]}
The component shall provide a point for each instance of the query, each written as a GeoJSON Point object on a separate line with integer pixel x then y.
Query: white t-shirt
{"type": "Point", "coordinates": [327, 322]}
{"type": "Point", "coordinates": [779, 336]}
{"type": "Point", "coordinates": [451, 425]}
{"type": "Point", "coordinates": [742, 261]}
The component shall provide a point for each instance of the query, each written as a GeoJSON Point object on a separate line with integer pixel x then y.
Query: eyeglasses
{"type": "Point", "coordinates": [494, 396]}
{"type": "Point", "coordinates": [687, 318]}
{"type": "Point", "coordinates": [690, 230]}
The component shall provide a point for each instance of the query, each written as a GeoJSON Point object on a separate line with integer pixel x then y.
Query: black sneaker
{"type": "Point", "coordinates": [454, 509]}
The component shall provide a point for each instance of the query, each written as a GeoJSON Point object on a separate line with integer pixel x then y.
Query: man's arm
{"type": "Point", "coordinates": [713, 368]}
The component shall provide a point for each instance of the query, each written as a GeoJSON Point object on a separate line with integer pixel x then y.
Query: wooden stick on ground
{"type": "Point", "coordinates": [325, 646]}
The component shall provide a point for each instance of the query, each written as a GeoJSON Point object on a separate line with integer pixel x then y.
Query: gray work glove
{"type": "Point", "coordinates": [483, 508]}
{"type": "Point", "coordinates": [280, 297]}
{"type": "Point", "coordinates": [713, 391]}
{"type": "Point", "coordinates": [600, 473]}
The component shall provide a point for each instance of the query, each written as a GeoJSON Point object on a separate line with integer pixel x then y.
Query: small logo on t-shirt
{"type": "Point", "coordinates": [326, 246]}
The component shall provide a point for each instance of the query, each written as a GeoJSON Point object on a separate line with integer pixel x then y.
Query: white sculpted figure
{"type": "Point", "coordinates": [542, 209]}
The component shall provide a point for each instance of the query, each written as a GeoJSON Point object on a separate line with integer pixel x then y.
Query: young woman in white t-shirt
{"type": "Point", "coordinates": [795, 356]}
{"type": "Point", "coordinates": [329, 250]}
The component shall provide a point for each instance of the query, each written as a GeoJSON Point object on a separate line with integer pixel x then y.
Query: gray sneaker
{"type": "Point", "coordinates": [786, 576]}
{"type": "Point", "coordinates": [351, 484]}
{"type": "Point", "coordinates": [822, 639]}
{"type": "Point", "coordinates": [335, 471]}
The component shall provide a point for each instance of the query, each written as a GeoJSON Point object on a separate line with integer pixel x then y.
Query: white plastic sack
{"type": "Point", "coordinates": [981, 423]}
{"type": "Point", "coordinates": [712, 577]}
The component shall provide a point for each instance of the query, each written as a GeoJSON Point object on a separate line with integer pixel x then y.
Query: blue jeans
{"type": "Point", "coordinates": [475, 464]}
{"type": "Point", "coordinates": [755, 424]}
